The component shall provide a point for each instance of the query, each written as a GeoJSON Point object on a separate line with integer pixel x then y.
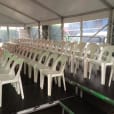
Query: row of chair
{"type": "Point", "coordinates": [88, 54]}
{"type": "Point", "coordinates": [46, 62]}
{"type": "Point", "coordinates": [10, 68]}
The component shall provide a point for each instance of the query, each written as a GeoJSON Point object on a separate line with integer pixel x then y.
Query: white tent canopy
{"type": "Point", "coordinates": [51, 11]}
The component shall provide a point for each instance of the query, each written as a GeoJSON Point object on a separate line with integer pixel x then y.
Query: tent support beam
{"type": "Point", "coordinates": [81, 29]}
{"type": "Point", "coordinates": [39, 30]}
{"type": "Point", "coordinates": [107, 4]}
{"type": "Point", "coordinates": [24, 14]}
{"type": "Point", "coordinates": [8, 33]}
{"type": "Point", "coordinates": [110, 7]}
{"type": "Point", "coordinates": [62, 28]}
{"type": "Point", "coordinates": [45, 7]}
{"type": "Point", "coordinates": [109, 35]}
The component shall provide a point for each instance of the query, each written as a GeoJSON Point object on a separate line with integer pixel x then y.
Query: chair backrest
{"type": "Point", "coordinates": [107, 54]}
{"type": "Point", "coordinates": [30, 54]}
{"type": "Point", "coordinates": [91, 50]}
{"type": "Point", "coordinates": [14, 70]}
{"type": "Point", "coordinates": [33, 56]}
{"type": "Point", "coordinates": [67, 47]}
{"type": "Point", "coordinates": [38, 55]}
{"type": "Point", "coordinates": [43, 57]}
{"type": "Point", "coordinates": [19, 50]}
{"type": "Point", "coordinates": [56, 47]}
{"type": "Point", "coordinates": [47, 43]}
{"type": "Point", "coordinates": [27, 55]}
{"type": "Point", "coordinates": [9, 61]}
{"type": "Point", "coordinates": [79, 49]}
{"type": "Point", "coordinates": [74, 46]}
{"type": "Point", "coordinates": [60, 63]}
{"type": "Point", "coordinates": [51, 45]}
{"type": "Point", "coordinates": [7, 55]}
{"type": "Point", "coordinates": [24, 52]}
{"type": "Point", "coordinates": [49, 62]}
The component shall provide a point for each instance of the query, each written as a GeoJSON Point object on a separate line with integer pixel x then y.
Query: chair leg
{"type": "Point", "coordinates": [49, 85]}
{"type": "Point", "coordinates": [21, 88]}
{"type": "Point", "coordinates": [29, 70]}
{"type": "Point", "coordinates": [35, 75]}
{"type": "Point", "coordinates": [90, 69]}
{"type": "Point", "coordinates": [111, 74]}
{"type": "Point", "coordinates": [55, 80]}
{"type": "Point", "coordinates": [103, 71]}
{"type": "Point", "coordinates": [113, 78]}
{"type": "Point", "coordinates": [64, 84]}
{"type": "Point", "coordinates": [85, 68]}
{"type": "Point", "coordinates": [16, 86]}
{"type": "Point", "coordinates": [0, 95]}
{"type": "Point", "coordinates": [75, 68]}
{"type": "Point", "coordinates": [59, 81]}
{"type": "Point", "coordinates": [69, 65]}
{"type": "Point", "coordinates": [76, 65]}
{"type": "Point", "coordinates": [41, 81]}
{"type": "Point", "coordinates": [72, 62]}
{"type": "Point", "coordinates": [24, 68]}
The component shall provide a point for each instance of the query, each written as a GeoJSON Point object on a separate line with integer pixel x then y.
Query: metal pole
{"type": "Point", "coordinates": [8, 33]}
{"type": "Point", "coordinates": [63, 111]}
{"type": "Point", "coordinates": [39, 30]}
{"type": "Point", "coordinates": [97, 32]}
{"type": "Point", "coordinates": [109, 35]}
{"type": "Point", "coordinates": [81, 29]}
{"type": "Point", "coordinates": [62, 28]}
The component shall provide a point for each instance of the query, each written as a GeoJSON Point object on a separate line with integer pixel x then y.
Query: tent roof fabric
{"type": "Point", "coordinates": [35, 11]}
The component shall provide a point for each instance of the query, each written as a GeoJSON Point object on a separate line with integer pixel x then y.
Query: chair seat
{"type": "Point", "coordinates": [99, 62]}
{"type": "Point", "coordinates": [4, 79]}
{"type": "Point", "coordinates": [50, 72]}
{"type": "Point", "coordinates": [4, 71]}
{"type": "Point", "coordinates": [42, 66]}
{"type": "Point", "coordinates": [38, 65]}
{"type": "Point", "coordinates": [1, 67]}
{"type": "Point", "coordinates": [79, 57]}
{"type": "Point", "coordinates": [26, 60]}
{"type": "Point", "coordinates": [32, 63]}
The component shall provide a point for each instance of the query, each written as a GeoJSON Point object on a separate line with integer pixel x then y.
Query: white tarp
{"type": "Point", "coordinates": [51, 10]}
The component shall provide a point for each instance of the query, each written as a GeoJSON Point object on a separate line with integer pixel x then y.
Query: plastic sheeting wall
{"type": "Point", "coordinates": [55, 32]}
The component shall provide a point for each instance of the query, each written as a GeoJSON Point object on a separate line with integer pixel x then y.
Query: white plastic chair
{"type": "Point", "coordinates": [49, 63]}
{"type": "Point", "coordinates": [42, 60]}
{"type": "Point", "coordinates": [54, 73]}
{"type": "Point", "coordinates": [33, 61]}
{"type": "Point", "coordinates": [103, 60]}
{"type": "Point", "coordinates": [27, 56]}
{"type": "Point", "coordinates": [90, 52]}
{"type": "Point", "coordinates": [5, 68]}
{"type": "Point", "coordinates": [78, 55]}
{"type": "Point", "coordinates": [5, 58]}
{"type": "Point", "coordinates": [12, 78]}
{"type": "Point", "coordinates": [111, 78]}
